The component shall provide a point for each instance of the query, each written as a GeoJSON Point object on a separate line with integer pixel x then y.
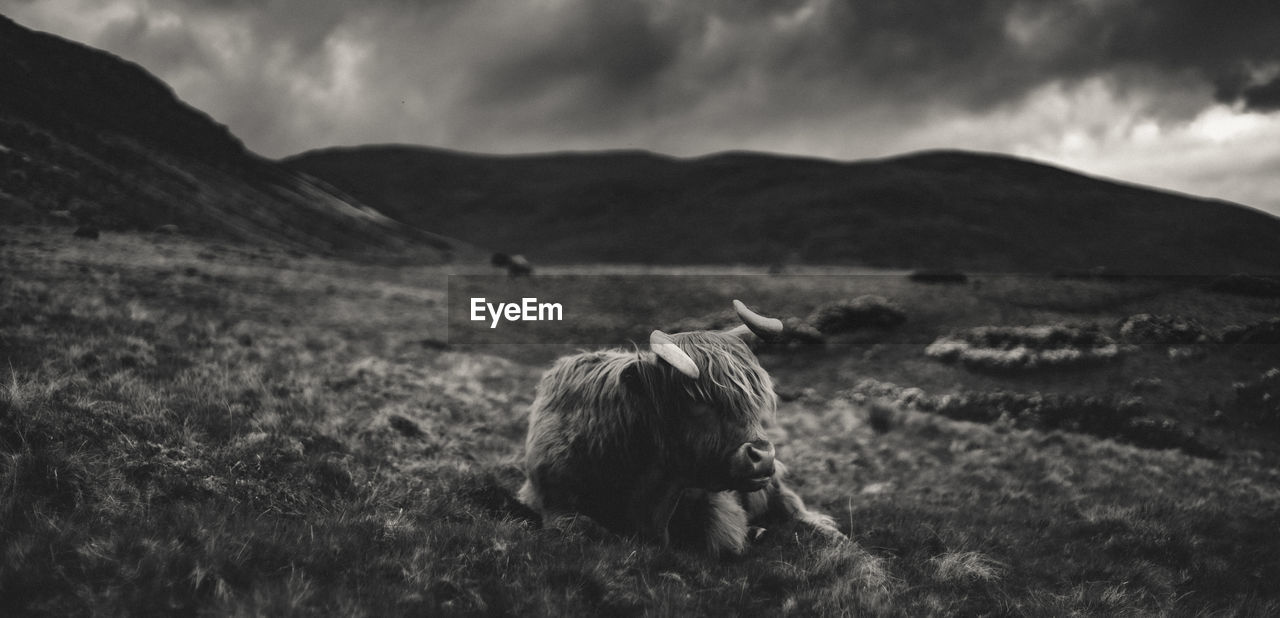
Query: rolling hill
{"type": "Point", "coordinates": [943, 209]}
{"type": "Point", "coordinates": [88, 138]}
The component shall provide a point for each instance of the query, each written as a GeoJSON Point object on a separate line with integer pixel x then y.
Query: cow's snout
{"type": "Point", "coordinates": [753, 462]}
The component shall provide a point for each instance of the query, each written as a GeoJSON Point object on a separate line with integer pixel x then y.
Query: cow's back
{"type": "Point", "coordinates": [585, 433]}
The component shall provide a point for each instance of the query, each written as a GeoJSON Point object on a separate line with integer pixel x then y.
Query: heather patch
{"type": "Point", "coordinates": [1025, 348]}
{"type": "Point", "coordinates": [1126, 418]}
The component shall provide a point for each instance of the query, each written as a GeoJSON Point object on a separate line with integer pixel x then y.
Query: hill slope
{"type": "Point", "coordinates": [89, 137]}
{"type": "Point", "coordinates": [934, 209]}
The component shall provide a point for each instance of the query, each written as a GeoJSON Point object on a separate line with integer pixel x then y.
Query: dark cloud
{"type": "Point", "coordinates": [609, 65]}
{"type": "Point", "coordinates": [1263, 97]}
{"type": "Point", "coordinates": [1219, 43]}
{"type": "Point", "coordinates": [1101, 85]}
{"type": "Point", "coordinates": [473, 73]}
{"type": "Point", "coordinates": [613, 47]}
{"type": "Point", "coordinates": [980, 54]}
{"type": "Point", "coordinates": [162, 49]}
{"type": "Point", "coordinates": [580, 65]}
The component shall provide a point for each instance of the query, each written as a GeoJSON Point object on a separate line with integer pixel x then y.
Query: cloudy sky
{"type": "Point", "coordinates": [1180, 94]}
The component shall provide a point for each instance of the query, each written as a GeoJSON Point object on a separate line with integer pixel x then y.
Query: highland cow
{"type": "Point", "coordinates": [667, 444]}
{"type": "Point", "coordinates": [516, 265]}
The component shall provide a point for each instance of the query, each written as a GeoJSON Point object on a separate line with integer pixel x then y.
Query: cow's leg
{"type": "Point", "coordinates": [529, 496]}
{"type": "Point", "coordinates": [778, 503]}
{"type": "Point", "coordinates": [785, 502]}
{"type": "Point", "coordinates": [652, 503]}
{"type": "Point", "coordinates": [557, 517]}
{"type": "Point", "coordinates": [711, 522]}
{"type": "Point", "coordinates": [726, 525]}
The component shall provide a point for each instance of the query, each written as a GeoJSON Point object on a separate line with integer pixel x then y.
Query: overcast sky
{"type": "Point", "coordinates": [1180, 94]}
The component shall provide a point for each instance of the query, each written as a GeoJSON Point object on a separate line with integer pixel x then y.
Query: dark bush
{"type": "Point", "coordinates": [855, 314]}
{"type": "Point", "coordinates": [1168, 329]}
{"type": "Point", "coordinates": [405, 426]}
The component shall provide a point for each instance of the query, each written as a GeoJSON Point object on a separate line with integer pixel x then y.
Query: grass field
{"type": "Point", "coordinates": [189, 427]}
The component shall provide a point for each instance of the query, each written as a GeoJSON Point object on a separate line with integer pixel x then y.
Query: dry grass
{"type": "Point", "coordinates": [193, 428]}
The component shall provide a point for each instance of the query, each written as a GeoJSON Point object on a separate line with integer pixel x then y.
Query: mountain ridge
{"type": "Point", "coordinates": [146, 107]}
{"type": "Point", "coordinates": [88, 137]}
{"type": "Point", "coordinates": [931, 209]}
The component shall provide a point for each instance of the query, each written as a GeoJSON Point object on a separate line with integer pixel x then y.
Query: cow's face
{"type": "Point", "coordinates": [713, 425]}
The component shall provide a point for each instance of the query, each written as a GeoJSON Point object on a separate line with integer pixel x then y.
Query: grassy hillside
{"type": "Point", "coordinates": [89, 139]}
{"type": "Point", "coordinates": [193, 426]}
{"type": "Point", "coordinates": [936, 210]}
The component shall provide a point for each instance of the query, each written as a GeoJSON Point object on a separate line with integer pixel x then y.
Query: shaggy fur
{"type": "Point", "coordinates": [625, 439]}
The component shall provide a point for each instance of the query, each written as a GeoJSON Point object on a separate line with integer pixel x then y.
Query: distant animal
{"type": "Point", "coordinates": [86, 231]}
{"type": "Point", "coordinates": [519, 266]}
{"type": "Point", "coordinates": [167, 228]}
{"type": "Point", "coordinates": [516, 265]}
{"type": "Point", "coordinates": [667, 444]}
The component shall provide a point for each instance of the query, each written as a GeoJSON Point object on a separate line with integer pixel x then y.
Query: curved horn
{"type": "Point", "coordinates": [765, 328]}
{"type": "Point", "coordinates": [667, 350]}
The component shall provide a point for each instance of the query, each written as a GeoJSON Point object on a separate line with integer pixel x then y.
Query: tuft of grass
{"type": "Point", "coordinates": [964, 567]}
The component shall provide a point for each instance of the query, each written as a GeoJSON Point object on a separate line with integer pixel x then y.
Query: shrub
{"type": "Point", "coordinates": [854, 314]}
{"type": "Point", "coordinates": [1119, 418]}
{"type": "Point", "coordinates": [1020, 348]}
{"type": "Point", "coordinates": [1147, 328]}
